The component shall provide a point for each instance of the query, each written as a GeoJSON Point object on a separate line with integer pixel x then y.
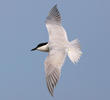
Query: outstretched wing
{"type": "Point", "coordinates": [53, 23]}
{"type": "Point", "coordinates": [53, 64]}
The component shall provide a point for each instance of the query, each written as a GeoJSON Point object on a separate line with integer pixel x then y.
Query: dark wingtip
{"type": "Point", "coordinates": [52, 94]}
{"type": "Point", "coordinates": [54, 16]}
{"type": "Point", "coordinates": [55, 5]}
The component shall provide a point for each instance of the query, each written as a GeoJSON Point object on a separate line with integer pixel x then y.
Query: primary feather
{"type": "Point", "coordinates": [53, 64]}
{"type": "Point", "coordinates": [57, 34]}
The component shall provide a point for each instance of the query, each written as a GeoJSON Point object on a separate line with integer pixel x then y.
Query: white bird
{"type": "Point", "coordinates": [57, 47]}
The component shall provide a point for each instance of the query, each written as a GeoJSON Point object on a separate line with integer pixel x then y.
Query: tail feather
{"type": "Point", "coordinates": [74, 51]}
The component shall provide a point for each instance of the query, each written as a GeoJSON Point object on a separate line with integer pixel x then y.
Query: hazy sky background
{"type": "Point", "coordinates": [22, 27]}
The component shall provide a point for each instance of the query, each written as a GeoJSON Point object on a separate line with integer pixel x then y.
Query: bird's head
{"type": "Point", "coordinates": [42, 47]}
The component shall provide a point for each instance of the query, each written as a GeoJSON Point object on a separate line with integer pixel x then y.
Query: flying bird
{"type": "Point", "coordinates": [57, 47]}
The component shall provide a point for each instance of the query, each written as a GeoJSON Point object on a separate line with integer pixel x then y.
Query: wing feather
{"type": "Point", "coordinates": [57, 40]}
{"type": "Point", "coordinates": [54, 16]}
{"type": "Point", "coordinates": [53, 23]}
{"type": "Point", "coordinates": [53, 64]}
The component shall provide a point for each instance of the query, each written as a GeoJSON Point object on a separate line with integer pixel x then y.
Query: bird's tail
{"type": "Point", "coordinates": [74, 51]}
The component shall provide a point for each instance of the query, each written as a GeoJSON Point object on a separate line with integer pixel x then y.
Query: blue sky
{"type": "Point", "coordinates": [22, 27]}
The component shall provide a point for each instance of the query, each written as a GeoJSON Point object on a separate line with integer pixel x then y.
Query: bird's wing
{"type": "Point", "coordinates": [53, 64]}
{"type": "Point", "coordinates": [54, 27]}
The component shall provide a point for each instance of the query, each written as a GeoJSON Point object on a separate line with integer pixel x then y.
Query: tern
{"type": "Point", "coordinates": [57, 47]}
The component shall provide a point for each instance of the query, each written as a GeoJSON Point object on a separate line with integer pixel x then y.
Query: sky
{"type": "Point", "coordinates": [22, 27]}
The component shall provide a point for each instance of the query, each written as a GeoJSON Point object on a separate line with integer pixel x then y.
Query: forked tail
{"type": "Point", "coordinates": [74, 51]}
